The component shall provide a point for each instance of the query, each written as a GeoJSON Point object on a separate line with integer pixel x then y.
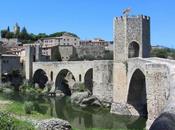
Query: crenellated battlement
{"type": "Point", "coordinates": [122, 18]}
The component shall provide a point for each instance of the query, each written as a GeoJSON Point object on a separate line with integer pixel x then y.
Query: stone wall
{"type": "Point", "coordinates": [67, 52]}
{"type": "Point", "coordinates": [10, 63]}
{"type": "Point", "coordinates": [102, 74]}
{"type": "Point", "coordinates": [91, 50]}
{"type": "Point", "coordinates": [103, 79]}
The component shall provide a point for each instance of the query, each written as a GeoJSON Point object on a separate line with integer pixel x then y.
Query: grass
{"type": "Point", "coordinates": [17, 108]}
{"type": "Point", "coordinates": [22, 125]}
{"type": "Point", "coordinates": [105, 129]}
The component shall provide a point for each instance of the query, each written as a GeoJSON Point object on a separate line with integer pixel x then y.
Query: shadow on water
{"type": "Point", "coordinates": [78, 117]}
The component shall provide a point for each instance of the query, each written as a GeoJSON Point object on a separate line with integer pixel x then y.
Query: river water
{"type": "Point", "coordinates": [81, 118]}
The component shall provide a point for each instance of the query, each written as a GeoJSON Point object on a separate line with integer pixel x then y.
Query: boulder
{"type": "Point", "coordinates": [77, 97]}
{"type": "Point", "coordinates": [96, 103]}
{"type": "Point", "coordinates": [59, 93]}
{"type": "Point", "coordinates": [54, 124]}
{"type": "Point", "coordinates": [90, 101]}
{"type": "Point", "coordinates": [166, 121]}
{"type": "Point", "coordinates": [120, 109]}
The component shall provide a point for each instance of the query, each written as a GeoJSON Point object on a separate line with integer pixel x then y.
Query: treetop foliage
{"type": "Point", "coordinates": [26, 37]}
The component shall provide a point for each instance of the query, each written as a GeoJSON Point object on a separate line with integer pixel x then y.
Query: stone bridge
{"type": "Point", "coordinates": [96, 75]}
{"type": "Point", "coordinates": [133, 82]}
{"type": "Point", "coordinates": [143, 87]}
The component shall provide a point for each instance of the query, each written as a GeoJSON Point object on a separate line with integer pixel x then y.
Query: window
{"type": "Point", "coordinates": [133, 50]}
{"type": "Point", "coordinates": [80, 77]}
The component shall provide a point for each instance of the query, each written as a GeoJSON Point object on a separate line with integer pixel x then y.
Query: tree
{"type": "Point", "coordinates": [24, 34]}
{"type": "Point", "coordinates": [3, 33]}
{"type": "Point", "coordinates": [8, 29]}
{"type": "Point", "coordinates": [9, 35]}
{"type": "Point", "coordinates": [161, 53]}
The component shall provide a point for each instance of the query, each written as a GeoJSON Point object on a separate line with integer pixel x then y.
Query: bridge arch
{"type": "Point", "coordinates": [65, 81]}
{"type": "Point", "coordinates": [133, 49]}
{"type": "Point", "coordinates": [40, 78]}
{"type": "Point", "coordinates": [88, 79]}
{"type": "Point", "coordinates": [137, 95]}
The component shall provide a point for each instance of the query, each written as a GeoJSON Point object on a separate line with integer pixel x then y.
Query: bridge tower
{"type": "Point", "coordinates": [33, 54]}
{"type": "Point", "coordinates": [131, 39]}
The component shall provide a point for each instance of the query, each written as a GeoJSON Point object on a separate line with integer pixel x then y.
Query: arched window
{"type": "Point", "coordinates": [51, 75]}
{"type": "Point", "coordinates": [133, 50]}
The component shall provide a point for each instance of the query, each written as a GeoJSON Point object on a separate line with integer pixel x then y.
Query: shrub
{"type": "Point", "coordinates": [8, 122]}
{"type": "Point", "coordinates": [28, 107]}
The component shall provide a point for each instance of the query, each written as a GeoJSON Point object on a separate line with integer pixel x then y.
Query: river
{"type": "Point", "coordinates": [78, 117]}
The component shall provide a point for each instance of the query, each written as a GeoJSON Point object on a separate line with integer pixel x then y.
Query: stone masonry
{"type": "Point", "coordinates": [135, 84]}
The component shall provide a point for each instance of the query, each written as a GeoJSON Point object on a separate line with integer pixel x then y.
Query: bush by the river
{"type": "Point", "coordinates": [28, 107]}
{"type": "Point", "coordinates": [7, 122]}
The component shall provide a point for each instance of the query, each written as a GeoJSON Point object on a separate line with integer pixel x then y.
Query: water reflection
{"type": "Point", "coordinates": [78, 117]}
{"type": "Point", "coordinates": [94, 118]}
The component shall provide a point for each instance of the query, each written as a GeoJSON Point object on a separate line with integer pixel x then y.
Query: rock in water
{"type": "Point", "coordinates": [54, 124]}
{"type": "Point", "coordinates": [166, 121]}
{"type": "Point", "coordinates": [77, 97]}
{"type": "Point", "coordinates": [91, 101]}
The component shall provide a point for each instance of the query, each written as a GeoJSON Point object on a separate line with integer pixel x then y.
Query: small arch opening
{"type": "Point", "coordinates": [80, 77]}
{"type": "Point", "coordinates": [133, 50]}
{"type": "Point", "coordinates": [40, 78]}
{"type": "Point", "coordinates": [51, 75]}
{"type": "Point", "coordinates": [88, 80]}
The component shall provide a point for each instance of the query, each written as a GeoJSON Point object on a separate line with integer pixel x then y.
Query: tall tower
{"type": "Point", "coordinates": [16, 28]}
{"type": "Point", "coordinates": [131, 39]}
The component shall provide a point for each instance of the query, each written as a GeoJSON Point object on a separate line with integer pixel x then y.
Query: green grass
{"type": "Point", "coordinates": [17, 108]}
{"type": "Point", "coordinates": [22, 125]}
{"type": "Point", "coordinates": [104, 129]}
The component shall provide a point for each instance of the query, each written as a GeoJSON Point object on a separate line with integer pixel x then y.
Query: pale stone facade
{"type": "Point", "coordinates": [65, 39]}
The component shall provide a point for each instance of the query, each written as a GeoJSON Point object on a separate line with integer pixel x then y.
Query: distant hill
{"type": "Point", "coordinates": [163, 52]}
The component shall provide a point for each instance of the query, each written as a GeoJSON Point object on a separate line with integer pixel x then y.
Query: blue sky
{"type": "Point", "coordinates": [88, 18]}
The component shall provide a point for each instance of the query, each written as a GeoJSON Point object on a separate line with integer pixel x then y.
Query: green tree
{"type": "Point", "coordinates": [3, 33]}
{"type": "Point", "coordinates": [8, 29]}
{"type": "Point", "coordinates": [24, 34]}
{"type": "Point", "coordinates": [9, 35]}
{"type": "Point", "coordinates": [161, 53]}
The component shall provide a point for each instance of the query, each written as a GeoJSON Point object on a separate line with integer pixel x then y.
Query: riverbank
{"type": "Point", "coordinates": [88, 118]}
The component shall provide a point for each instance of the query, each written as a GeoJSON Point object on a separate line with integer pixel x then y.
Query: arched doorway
{"type": "Point", "coordinates": [64, 81]}
{"type": "Point", "coordinates": [137, 93]}
{"type": "Point", "coordinates": [88, 80]}
{"type": "Point", "coordinates": [40, 78]}
{"type": "Point", "coordinates": [133, 50]}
